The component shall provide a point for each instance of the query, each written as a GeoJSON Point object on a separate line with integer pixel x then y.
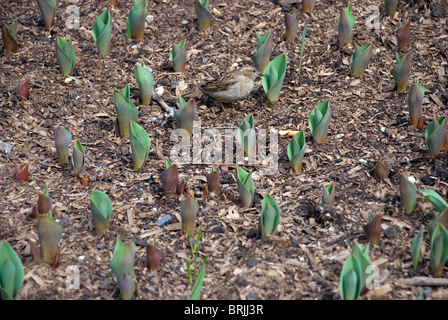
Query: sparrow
{"type": "Point", "coordinates": [232, 87]}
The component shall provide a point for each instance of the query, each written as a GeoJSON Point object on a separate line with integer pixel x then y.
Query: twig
{"type": "Point", "coordinates": [163, 104]}
{"type": "Point", "coordinates": [424, 282]}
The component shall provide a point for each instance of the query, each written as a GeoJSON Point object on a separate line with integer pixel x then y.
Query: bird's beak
{"type": "Point", "coordinates": [259, 73]}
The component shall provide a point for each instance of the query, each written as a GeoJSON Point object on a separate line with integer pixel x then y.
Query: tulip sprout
{"type": "Point", "coordinates": [9, 34]}
{"type": "Point", "coordinates": [203, 13]}
{"type": "Point", "coordinates": [170, 178]}
{"type": "Point", "coordinates": [78, 157]}
{"type": "Point", "coordinates": [21, 174]}
{"type": "Point", "coordinates": [270, 217]}
{"type": "Point", "coordinates": [401, 71]}
{"type": "Point", "coordinates": [246, 136]}
{"type": "Point", "coordinates": [125, 109]}
{"type": "Point", "coordinates": [319, 121]}
{"type": "Point", "coordinates": [296, 151]}
{"type": "Point", "coordinates": [416, 246]}
{"type": "Point", "coordinates": [23, 88]}
{"type": "Point", "coordinates": [346, 24]}
{"type": "Point", "coordinates": [246, 187]}
{"type": "Point", "coordinates": [436, 200]}
{"type": "Point", "coordinates": [435, 135]}
{"type": "Point", "coordinates": [140, 144]}
{"type": "Point", "coordinates": [291, 26]}
{"type": "Point", "coordinates": [188, 211]}
{"type": "Point", "coordinates": [403, 34]}
{"type": "Point", "coordinates": [373, 229]}
{"type": "Point", "coordinates": [122, 266]}
{"type": "Point", "coordinates": [102, 30]}
{"type": "Point", "coordinates": [440, 218]}
{"type": "Point", "coordinates": [308, 5]}
{"type": "Point", "coordinates": [354, 273]}
{"type": "Point", "coordinates": [360, 59]}
{"type": "Point", "coordinates": [48, 9]}
{"type": "Point", "coordinates": [135, 22]}
{"type": "Point", "coordinates": [50, 234]}
{"type": "Point", "coordinates": [415, 103]}
{"type": "Point", "coordinates": [390, 7]}
{"type": "Point", "coordinates": [381, 171]}
{"type": "Point", "coordinates": [408, 193]}
{"type": "Point", "coordinates": [101, 208]}
{"type": "Point", "coordinates": [264, 49]}
{"type": "Point", "coordinates": [153, 256]}
{"type": "Point", "coordinates": [11, 272]}
{"type": "Point", "coordinates": [178, 56]}
{"type": "Point", "coordinates": [273, 77]}
{"type": "Point", "coordinates": [213, 181]}
{"type": "Point", "coordinates": [328, 193]}
{"type": "Point", "coordinates": [66, 56]}
{"type": "Point", "coordinates": [185, 115]}
{"type": "Point", "coordinates": [62, 141]}
{"type": "Point", "coordinates": [145, 81]}
{"type": "Point", "coordinates": [439, 250]}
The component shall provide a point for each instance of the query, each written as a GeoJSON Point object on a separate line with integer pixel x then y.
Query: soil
{"type": "Point", "coordinates": [370, 122]}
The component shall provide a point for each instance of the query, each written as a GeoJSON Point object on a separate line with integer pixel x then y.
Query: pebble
{"type": "Point", "coordinates": [184, 22]}
{"type": "Point", "coordinates": [164, 220]}
{"type": "Point", "coordinates": [5, 147]}
{"type": "Point", "coordinates": [159, 90]}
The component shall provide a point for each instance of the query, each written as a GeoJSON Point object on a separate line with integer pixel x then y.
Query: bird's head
{"type": "Point", "coordinates": [250, 72]}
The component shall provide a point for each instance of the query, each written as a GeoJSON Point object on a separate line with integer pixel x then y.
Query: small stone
{"type": "Point", "coordinates": [252, 296]}
{"type": "Point", "coordinates": [164, 220]}
{"type": "Point", "coordinates": [5, 147]}
{"type": "Point", "coordinates": [252, 263]}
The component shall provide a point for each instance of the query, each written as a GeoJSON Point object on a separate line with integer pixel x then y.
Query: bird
{"type": "Point", "coordinates": [232, 87]}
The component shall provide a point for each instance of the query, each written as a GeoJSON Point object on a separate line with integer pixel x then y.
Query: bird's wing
{"type": "Point", "coordinates": [192, 94]}
{"type": "Point", "coordinates": [222, 84]}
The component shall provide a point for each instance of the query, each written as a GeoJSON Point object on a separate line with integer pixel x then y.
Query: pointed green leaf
{"type": "Point", "coordinates": [185, 115]}
{"type": "Point", "coordinates": [296, 151]}
{"type": "Point", "coordinates": [178, 56]}
{"type": "Point", "coordinates": [140, 144]}
{"type": "Point", "coordinates": [436, 200]}
{"type": "Point", "coordinates": [48, 9]}
{"type": "Point", "coordinates": [102, 30]}
{"type": "Point", "coordinates": [435, 135]}
{"type": "Point", "coordinates": [188, 211]}
{"type": "Point", "coordinates": [403, 33]}
{"type": "Point", "coordinates": [122, 266]}
{"type": "Point", "coordinates": [246, 187]}
{"type": "Point", "coordinates": [264, 50]}
{"type": "Point", "coordinates": [401, 71]}
{"type": "Point", "coordinates": [50, 234]}
{"type": "Point", "coordinates": [408, 194]}
{"type": "Point", "coordinates": [350, 280]}
{"type": "Point", "coordinates": [360, 59]}
{"type": "Point", "coordinates": [135, 22]}
{"type": "Point", "coordinates": [415, 102]}
{"type": "Point", "coordinates": [78, 157]}
{"type": "Point", "coordinates": [273, 77]}
{"type": "Point", "coordinates": [196, 292]}
{"type": "Point", "coordinates": [203, 13]}
{"type": "Point", "coordinates": [439, 250]}
{"type": "Point", "coordinates": [11, 272]}
{"type": "Point", "coordinates": [291, 26]}
{"type": "Point", "coordinates": [346, 24]}
{"type": "Point", "coordinates": [270, 216]}
{"type": "Point", "coordinates": [125, 109]}
{"type": "Point", "coordinates": [145, 81]}
{"type": "Point", "coordinates": [319, 121]}
{"type": "Point", "coordinates": [9, 34]}
{"type": "Point", "coordinates": [63, 139]}
{"type": "Point", "coordinates": [416, 246]}
{"type": "Point", "coordinates": [66, 56]}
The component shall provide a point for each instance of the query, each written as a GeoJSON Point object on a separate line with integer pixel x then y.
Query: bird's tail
{"type": "Point", "coordinates": [192, 94]}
